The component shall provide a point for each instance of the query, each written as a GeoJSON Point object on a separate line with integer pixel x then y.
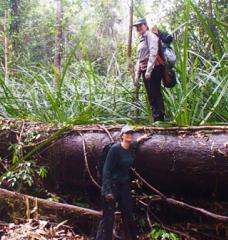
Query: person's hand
{"type": "Point", "coordinates": [146, 136]}
{"type": "Point", "coordinates": [109, 197]}
{"type": "Point", "coordinates": [143, 138]}
{"type": "Point", "coordinates": [136, 82]}
{"type": "Point", "coordinates": [147, 76]}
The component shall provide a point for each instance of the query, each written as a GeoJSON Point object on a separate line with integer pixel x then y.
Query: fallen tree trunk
{"type": "Point", "coordinates": [190, 161]}
{"type": "Point", "coordinates": [5, 194]}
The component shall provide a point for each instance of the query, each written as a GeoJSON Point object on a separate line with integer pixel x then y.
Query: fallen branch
{"type": "Point", "coordinates": [50, 204]}
{"type": "Point", "coordinates": [86, 162]}
{"type": "Point", "coordinates": [180, 204]}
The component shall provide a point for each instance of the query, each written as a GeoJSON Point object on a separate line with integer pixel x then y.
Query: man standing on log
{"type": "Point", "coordinates": [150, 67]}
{"type": "Point", "coordinates": [116, 185]}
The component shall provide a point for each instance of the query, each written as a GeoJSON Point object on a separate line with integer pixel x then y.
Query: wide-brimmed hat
{"type": "Point", "coordinates": [126, 129]}
{"type": "Point", "coordinates": [140, 21]}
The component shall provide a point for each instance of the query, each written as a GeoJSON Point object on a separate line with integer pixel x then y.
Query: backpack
{"type": "Point", "coordinates": [168, 57]}
{"type": "Point", "coordinates": [169, 77]}
{"type": "Point", "coordinates": [101, 161]}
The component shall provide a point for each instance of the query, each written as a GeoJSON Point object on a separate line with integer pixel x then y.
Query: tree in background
{"type": "Point", "coordinates": [58, 38]}
{"type": "Point", "coordinates": [6, 45]}
{"type": "Point", "coordinates": [4, 34]}
{"type": "Point", "coordinates": [14, 6]}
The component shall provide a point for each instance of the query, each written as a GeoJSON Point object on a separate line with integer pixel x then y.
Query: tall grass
{"type": "Point", "coordinates": [84, 96]}
{"type": "Point", "coordinates": [201, 96]}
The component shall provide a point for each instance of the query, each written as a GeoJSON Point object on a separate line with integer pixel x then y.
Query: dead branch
{"type": "Point", "coordinates": [50, 204]}
{"type": "Point", "coordinates": [180, 204]}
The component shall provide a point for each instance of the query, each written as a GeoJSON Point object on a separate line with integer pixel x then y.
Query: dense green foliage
{"type": "Point", "coordinates": [95, 85]}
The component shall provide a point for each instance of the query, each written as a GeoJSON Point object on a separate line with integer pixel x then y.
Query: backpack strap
{"type": "Point", "coordinates": [158, 60]}
{"type": "Point", "coordinates": [160, 56]}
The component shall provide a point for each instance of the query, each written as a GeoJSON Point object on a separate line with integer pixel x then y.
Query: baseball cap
{"type": "Point", "coordinates": [140, 21]}
{"type": "Point", "coordinates": [126, 129]}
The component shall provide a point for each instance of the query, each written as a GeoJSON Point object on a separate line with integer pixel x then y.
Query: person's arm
{"type": "Point", "coordinates": [143, 138]}
{"type": "Point", "coordinates": [109, 165]}
{"type": "Point", "coordinates": [153, 45]}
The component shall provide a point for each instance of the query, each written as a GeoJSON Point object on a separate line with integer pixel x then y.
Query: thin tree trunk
{"type": "Point", "coordinates": [14, 33]}
{"type": "Point", "coordinates": [210, 9]}
{"type": "Point", "coordinates": [129, 52]}
{"type": "Point", "coordinates": [58, 39]}
{"type": "Point", "coordinates": [6, 46]}
{"type": "Point", "coordinates": [14, 26]}
{"type": "Point", "coordinates": [129, 57]}
{"type": "Point", "coordinates": [212, 25]}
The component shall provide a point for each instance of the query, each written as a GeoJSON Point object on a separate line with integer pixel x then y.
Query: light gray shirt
{"type": "Point", "coordinates": [148, 49]}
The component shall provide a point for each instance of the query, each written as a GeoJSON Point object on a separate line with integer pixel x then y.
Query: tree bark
{"type": "Point", "coordinates": [192, 162]}
{"type": "Point", "coordinates": [58, 39]}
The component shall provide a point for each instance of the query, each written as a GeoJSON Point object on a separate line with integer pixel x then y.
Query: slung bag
{"type": "Point", "coordinates": [168, 52]}
{"type": "Point", "coordinates": [168, 56]}
{"type": "Point", "coordinates": [169, 77]}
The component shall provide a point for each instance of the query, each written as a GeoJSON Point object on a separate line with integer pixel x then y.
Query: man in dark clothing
{"type": "Point", "coordinates": [116, 186]}
{"type": "Point", "coordinates": [150, 67]}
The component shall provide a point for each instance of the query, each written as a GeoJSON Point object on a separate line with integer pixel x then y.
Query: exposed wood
{"type": "Point", "coordinates": [49, 204]}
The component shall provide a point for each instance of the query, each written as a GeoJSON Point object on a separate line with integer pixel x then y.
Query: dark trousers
{"type": "Point", "coordinates": [153, 88]}
{"type": "Point", "coordinates": [122, 195]}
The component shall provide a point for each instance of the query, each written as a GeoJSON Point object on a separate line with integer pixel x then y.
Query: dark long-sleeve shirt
{"type": "Point", "coordinates": [117, 166]}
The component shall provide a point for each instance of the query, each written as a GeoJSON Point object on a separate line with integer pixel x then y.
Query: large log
{"type": "Point", "coordinates": [190, 161]}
